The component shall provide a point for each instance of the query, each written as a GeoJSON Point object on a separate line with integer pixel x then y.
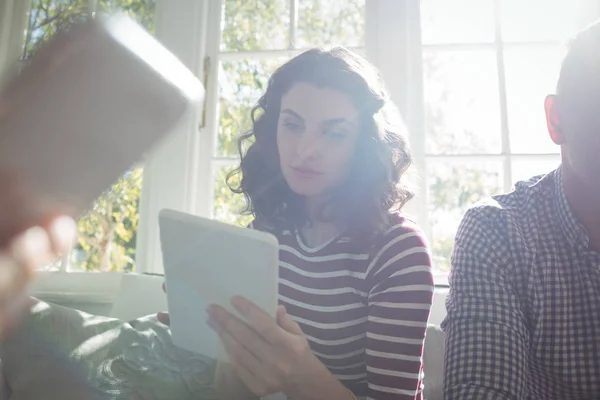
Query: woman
{"type": "Point", "coordinates": [322, 172]}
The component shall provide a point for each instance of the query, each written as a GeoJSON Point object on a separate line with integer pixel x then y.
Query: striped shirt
{"type": "Point", "coordinates": [363, 313]}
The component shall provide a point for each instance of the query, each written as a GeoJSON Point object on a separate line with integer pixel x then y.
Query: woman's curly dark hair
{"type": "Point", "coordinates": [373, 187]}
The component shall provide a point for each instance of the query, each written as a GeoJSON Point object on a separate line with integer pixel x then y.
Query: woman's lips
{"type": "Point", "coordinates": [305, 173]}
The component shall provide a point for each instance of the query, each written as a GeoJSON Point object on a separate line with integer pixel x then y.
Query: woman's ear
{"type": "Point", "coordinates": [552, 120]}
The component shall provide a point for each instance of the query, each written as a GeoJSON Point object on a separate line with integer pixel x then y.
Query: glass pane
{"type": "Point", "coordinates": [142, 11]}
{"type": "Point", "coordinates": [255, 25]}
{"type": "Point", "coordinates": [457, 21]}
{"type": "Point", "coordinates": [531, 74]}
{"type": "Point", "coordinates": [524, 169]}
{"type": "Point", "coordinates": [242, 83]}
{"type": "Point", "coordinates": [228, 205]}
{"type": "Point", "coordinates": [107, 233]}
{"type": "Point", "coordinates": [453, 188]}
{"type": "Point", "coordinates": [543, 20]}
{"type": "Point", "coordinates": [48, 17]}
{"type": "Point", "coordinates": [330, 22]}
{"type": "Point", "coordinates": [462, 111]}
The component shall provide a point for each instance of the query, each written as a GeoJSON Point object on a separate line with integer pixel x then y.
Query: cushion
{"type": "Point", "coordinates": [433, 363]}
{"type": "Point", "coordinates": [61, 353]}
{"type": "Point", "coordinates": [139, 295]}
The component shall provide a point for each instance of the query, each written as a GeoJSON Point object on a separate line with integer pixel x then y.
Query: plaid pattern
{"type": "Point", "coordinates": [524, 306]}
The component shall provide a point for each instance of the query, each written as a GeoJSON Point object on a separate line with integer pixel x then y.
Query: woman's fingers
{"type": "Point", "coordinates": [12, 278]}
{"type": "Point", "coordinates": [286, 322]}
{"type": "Point", "coordinates": [164, 318]}
{"type": "Point", "coordinates": [62, 231]}
{"type": "Point", "coordinates": [39, 245]}
{"type": "Point", "coordinates": [32, 249]}
{"type": "Point", "coordinates": [22, 256]}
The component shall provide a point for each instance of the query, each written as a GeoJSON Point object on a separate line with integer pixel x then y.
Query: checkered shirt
{"type": "Point", "coordinates": [524, 306]}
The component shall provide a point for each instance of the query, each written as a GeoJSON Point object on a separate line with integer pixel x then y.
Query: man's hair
{"type": "Point", "coordinates": [579, 80]}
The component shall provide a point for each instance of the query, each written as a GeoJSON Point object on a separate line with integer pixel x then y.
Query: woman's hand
{"type": "Point", "coordinates": [31, 234]}
{"type": "Point", "coordinates": [163, 317]}
{"type": "Point", "coordinates": [227, 384]}
{"type": "Point", "coordinates": [269, 355]}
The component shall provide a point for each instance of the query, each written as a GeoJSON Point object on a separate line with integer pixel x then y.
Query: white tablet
{"type": "Point", "coordinates": [89, 105]}
{"type": "Point", "coordinates": [208, 262]}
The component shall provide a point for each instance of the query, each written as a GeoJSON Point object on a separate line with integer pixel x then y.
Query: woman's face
{"type": "Point", "coordinates": [317, 134]}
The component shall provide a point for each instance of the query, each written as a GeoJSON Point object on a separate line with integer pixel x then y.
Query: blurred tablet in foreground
{"type": "Point", "coordinates": [89, 105]}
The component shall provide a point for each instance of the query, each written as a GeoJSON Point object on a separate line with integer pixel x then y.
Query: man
{"type": "Point", "coordinates": [524, 306]}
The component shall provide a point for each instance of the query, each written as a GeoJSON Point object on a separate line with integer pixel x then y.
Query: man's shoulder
{"type": "Point", "coordinates": [504, 228]}
{"type": "Point", "coordinates": [519, 209]}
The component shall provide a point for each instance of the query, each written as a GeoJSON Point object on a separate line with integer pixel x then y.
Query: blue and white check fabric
{"type": "Point", "coordinates": [524, 306]}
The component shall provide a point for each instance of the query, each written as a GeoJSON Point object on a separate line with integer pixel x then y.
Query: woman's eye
{"type": "Point", "coordinates": [292, 126]}
{"type": "Point", "coordinates": [336, 135]}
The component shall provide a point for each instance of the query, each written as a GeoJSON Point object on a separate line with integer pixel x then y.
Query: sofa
{"type": "Point", "coordinates": [62, 353]}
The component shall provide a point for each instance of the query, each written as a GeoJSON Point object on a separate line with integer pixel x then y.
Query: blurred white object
{"type": "Point", "coordinates": [89, 105]}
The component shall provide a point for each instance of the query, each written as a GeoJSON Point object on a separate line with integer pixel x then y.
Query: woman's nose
{"type": "Point", "coordinates": [308, 147]}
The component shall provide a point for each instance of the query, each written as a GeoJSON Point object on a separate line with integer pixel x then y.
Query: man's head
{"type": "Point", "coordinates": [573, 114]}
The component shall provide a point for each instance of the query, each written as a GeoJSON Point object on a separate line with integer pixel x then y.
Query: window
{"type": "Point", "coordinates": [487, 66]}
{"type": "Point", "coordinates": [107, 233]}
{"type": "Point", "coordinates": [469, 75]}
{"type": "Point", "coordinates": [255, 41]}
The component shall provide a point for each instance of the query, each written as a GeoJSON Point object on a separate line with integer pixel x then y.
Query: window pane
{"type": "Point", "coordinates": [462, 112]}
{"type": "Point", "coordinates": [531, 74]}
{"type": "Point", "coordinates": [330, 22]}
{"type": "Point", "coordinates": [48, 17]}
{"type": "Point", "coordinates": [107, 233]}
{"type": "Point", "coordinates": [543, 20]}
{"type": "Point", "coordinates": [524, 169]}
{"type": "Point", "coordinates": [242, 83]}
{"type": "Point", "coordinates": [142, 11]}
{"type": "Point", "coordinates": [457, 21]}
{"type": "Point", "coordinates": [228, 205]}
{"type": "Point", "coordinates": [453, 188]}
{"type": "Point", "coordinates": [255, 25]}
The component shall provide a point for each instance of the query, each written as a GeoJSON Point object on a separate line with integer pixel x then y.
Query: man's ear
{"type": "Point", "coordinates": [552, 120]}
